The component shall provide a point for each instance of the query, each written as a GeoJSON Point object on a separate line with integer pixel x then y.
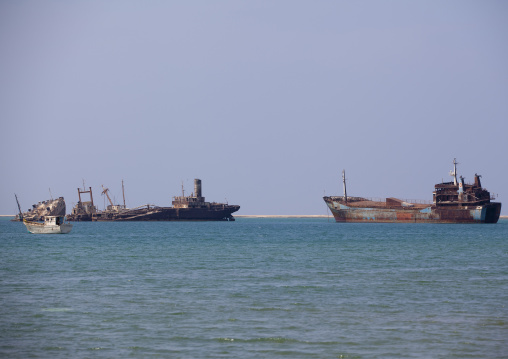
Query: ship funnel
{"type": "Point", "coordinates": [477, 181]}
{"type": "Point", "coordinates": [197, 187]}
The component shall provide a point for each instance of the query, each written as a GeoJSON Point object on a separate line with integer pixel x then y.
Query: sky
{"type": "Point", "coordinates": [265, 101]}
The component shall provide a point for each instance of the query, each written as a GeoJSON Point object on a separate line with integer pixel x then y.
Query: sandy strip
{"type": "Point", "coordinates": [281, 216]}
{"type": "Point", "coordinates": [292, 216]}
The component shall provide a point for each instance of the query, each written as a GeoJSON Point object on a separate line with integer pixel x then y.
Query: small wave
{"type": "Point", "coordinates": [281, 340]}
{"type": "Point", "coordinates": [135, 347]}
{"type": "Point", "coordinates": [177, 313]}
{"type": "Point", "coordinates": [260, 340]}
{"type": "Point", "coordinates": [56, 309]}
{"type": "Point", "coordinates": [269, 309]}
{"type": "Point", "coordinates": [52, 348]}
{"type": "Point", "coordinates": [495, 323]}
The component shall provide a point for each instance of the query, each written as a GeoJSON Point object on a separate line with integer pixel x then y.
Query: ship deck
{"type": "Point", "coordinates": [379, 204]}
{"type": "Point", "coordinates": [390, 203]}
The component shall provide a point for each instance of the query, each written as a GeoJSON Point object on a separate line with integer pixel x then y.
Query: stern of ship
{"type": "Point", "coordinates": [493, 211]}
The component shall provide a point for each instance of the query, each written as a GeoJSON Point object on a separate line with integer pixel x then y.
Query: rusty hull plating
{"type": "Point", "coordinates": [453, 202]}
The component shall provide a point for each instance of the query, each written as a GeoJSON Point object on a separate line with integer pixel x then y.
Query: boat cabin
{"type": "Point", "coordinates": [54, 220]}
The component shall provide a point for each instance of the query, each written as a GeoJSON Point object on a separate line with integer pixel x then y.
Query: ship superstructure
{"type": "Point", "coordinates": [84, 210]}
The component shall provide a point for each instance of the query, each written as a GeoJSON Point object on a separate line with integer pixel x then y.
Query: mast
{"type": "Point", "coordinates": [454, 172]}
{"type": "Point", "coordinates": [344, 183]}
{"type": "Point", "coordinates": [91, 197]}
{"type": "Point", "coordinates": [123, 193]}
{"type": "Point", "coordinates": [19, 208]}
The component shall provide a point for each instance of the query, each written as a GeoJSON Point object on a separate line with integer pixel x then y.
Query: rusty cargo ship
{"type": "Point", "coordinates": [453, 202]}
{"type": "Point", "coordinates": [185, 208]}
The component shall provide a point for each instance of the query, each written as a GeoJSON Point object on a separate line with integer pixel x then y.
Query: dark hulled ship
{"type": "Point", "coordinates": [185, 208]}
{"type": "Point", "coordinates": [453, 202]}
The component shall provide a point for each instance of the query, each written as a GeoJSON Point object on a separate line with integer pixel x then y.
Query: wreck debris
{"type": "Point", "coordinates": [40, 210]}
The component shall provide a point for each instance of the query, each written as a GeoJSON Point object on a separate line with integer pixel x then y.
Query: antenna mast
{"type": "Point", "coordinates": [344, 183]}
{"type": "Point", "coordinates": [123, 193]}
{"type": "Point", "coordinates": [454, 172]}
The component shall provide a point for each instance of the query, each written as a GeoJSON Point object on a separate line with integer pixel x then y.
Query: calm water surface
{"type": "Point", "coordinates": [255, 288]}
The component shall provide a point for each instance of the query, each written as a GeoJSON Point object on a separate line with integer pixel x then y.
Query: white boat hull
{"type": "Point", "coordinates": [40, 228]}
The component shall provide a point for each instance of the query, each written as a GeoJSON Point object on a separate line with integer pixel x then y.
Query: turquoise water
{"type": "Point", "coordinates": [255, 288]}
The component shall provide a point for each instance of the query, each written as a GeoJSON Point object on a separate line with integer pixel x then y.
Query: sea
{"type": "Point", "coordinates": [255, 288]}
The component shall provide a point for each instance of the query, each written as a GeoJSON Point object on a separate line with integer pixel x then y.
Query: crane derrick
{"type": "Point", "coordinates": [105, 191]}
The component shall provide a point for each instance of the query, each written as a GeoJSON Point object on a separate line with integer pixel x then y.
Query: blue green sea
{"type": "Point", "coordinates": [255, 288]}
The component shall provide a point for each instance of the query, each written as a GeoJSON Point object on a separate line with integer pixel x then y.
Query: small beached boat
{"type": "Point", "coordinates": [51, 225]}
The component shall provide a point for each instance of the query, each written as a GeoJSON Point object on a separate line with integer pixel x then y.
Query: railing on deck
{"type": "Point", "coordinates": [378, 199]}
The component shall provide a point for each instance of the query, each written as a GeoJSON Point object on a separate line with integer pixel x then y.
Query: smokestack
{"type": "Point", "coordinates": [197, 187]}
{"type": "Point", "coordinates": [461, 185]}
{"type": "Point", "coordinates": [461, 189]}
{"type": "Point", "coordinates": [477, 181]}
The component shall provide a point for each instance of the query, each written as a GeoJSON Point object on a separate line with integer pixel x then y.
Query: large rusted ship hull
{"type": "Point", "coordinates": [222, 213]}
{"type": "Point", "coordinates": [342, 212]}
{"type": "Point", "coordinates": [153, 213]}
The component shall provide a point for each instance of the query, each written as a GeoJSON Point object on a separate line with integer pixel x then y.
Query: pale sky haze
{"type": "Point", "coordinates": [265, 101]}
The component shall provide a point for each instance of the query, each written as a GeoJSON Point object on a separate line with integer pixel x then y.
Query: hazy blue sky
{"type": "Point", "coordinates": [265, 101]}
